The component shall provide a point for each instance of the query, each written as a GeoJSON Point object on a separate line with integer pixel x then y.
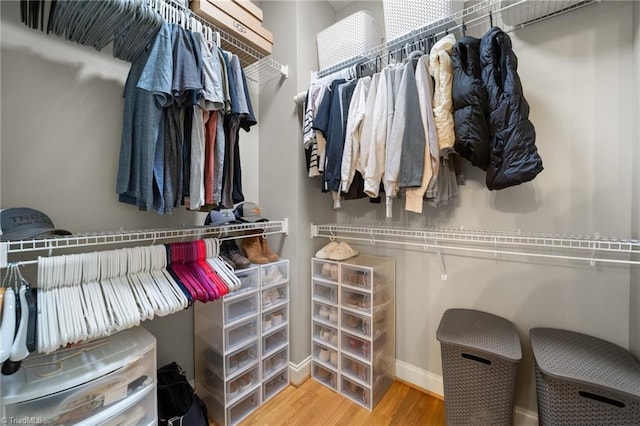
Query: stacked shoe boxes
{"type": "Point", "coordinates": [242, 344]}
{"type": "Point", "coordinates": [353, 326]}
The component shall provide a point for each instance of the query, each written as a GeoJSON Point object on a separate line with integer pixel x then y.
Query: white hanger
{"type": "Point", "coordinates": [95, 295]}
{"type": "Point", "coordinates": [19, 349]}
{"type": "Point", "coordinates": [146, 302]}
{"type": "Point", "coordinates": [82, 310]}
{"type": "Point", "coordinates": [85, 301]}
{"type": "Point", "coordinates": [158, 290]}
{"type": "Point", "coordinates": [8, 325]}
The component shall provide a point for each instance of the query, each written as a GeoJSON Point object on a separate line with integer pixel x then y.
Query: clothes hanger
{"type": "Point", "coordinates": [90, 311]}
{"type": "Point", "coordinates": [161, 260]}
{"type": "Point", "coordinates": [19, 350]}
{"type": "Point", "coordinates": [8, 325]}
{"type": "Point", "coordinates": [95, 295]}
{"type": "Point", "coordinates": [81, 306]}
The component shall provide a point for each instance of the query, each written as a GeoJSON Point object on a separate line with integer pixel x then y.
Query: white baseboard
{"type": "Point", "coordinates": [298, 374]}
{"type": "Point", "coordinates": [433, 383]}
{"type": "Point", "coordinates": [419, 377]}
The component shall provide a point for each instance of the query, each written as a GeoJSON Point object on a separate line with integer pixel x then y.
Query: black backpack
{"type": "Point", "coordinates": [178, 403]}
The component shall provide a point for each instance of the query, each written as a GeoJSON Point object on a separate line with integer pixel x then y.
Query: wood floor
{"type": "Point", "coordinates": [313, 404]}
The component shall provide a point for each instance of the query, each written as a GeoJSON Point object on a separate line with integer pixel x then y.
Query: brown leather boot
{"type": "Point", "coordinates": [266, 250]}
{"type": "Point", "coordinates": [253, 250]}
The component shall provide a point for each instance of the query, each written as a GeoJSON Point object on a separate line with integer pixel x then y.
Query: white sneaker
{"type": "Point", "coordinates": [343, 252]}
{"type": "Point", "coordinates": [325, 251]}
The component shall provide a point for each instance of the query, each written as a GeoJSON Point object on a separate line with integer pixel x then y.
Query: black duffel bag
{"type": "Point", "coordinates": [178, 403]}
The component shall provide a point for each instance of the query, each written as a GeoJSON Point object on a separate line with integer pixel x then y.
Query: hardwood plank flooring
{"type": "Point", "coordinates": [312, 404]}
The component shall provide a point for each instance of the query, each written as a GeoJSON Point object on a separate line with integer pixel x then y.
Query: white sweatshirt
{"type": "Point", "coordinates": [441, 68]}
{"type": "Point", "coordinates": [353, 132]}
{"type": "Point", "coordinates": [414, 196]}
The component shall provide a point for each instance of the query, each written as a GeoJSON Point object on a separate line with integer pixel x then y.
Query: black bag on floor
{"type": "Point", "coordinates": [178, 403]}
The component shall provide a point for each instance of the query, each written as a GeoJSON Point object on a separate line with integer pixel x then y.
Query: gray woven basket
{"type": "Point", "coordinates": [480, 352]}
{"type": "Point", "coordinates": [582, 380]}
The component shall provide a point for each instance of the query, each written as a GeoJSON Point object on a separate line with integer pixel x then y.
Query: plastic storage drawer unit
{"type": "Point", "coordinates": [480, 352]}
{"type": "Point", "coordinates": [583, 380]}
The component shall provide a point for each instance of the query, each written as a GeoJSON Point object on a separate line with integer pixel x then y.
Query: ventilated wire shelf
{"type": "Point", "coordinates": [476, 21]}
{"type": "Point", "coordinates": [265, 70]}
{"type": "Point", "coordinates": [225, 232]}
{"type": "Point", "coordinates": [573, 247]}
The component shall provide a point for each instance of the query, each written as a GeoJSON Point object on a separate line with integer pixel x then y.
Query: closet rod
{"type": "Point", "coordinates": [592, 249]}
{"type": "Point", "coordinates": [226, 232]}
{"type": "Point", "coordinates": [256, 65]}
{"type": "Point", "coordinates": [476, 19]}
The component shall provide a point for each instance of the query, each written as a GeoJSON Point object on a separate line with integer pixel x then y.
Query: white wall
{"type": "Point", "coordinates": [60, 138]}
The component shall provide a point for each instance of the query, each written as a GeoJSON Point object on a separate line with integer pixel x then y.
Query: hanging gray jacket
{"type": "Point", "coordinates": [514, 158]}
{"type": "Point", "coordinates": [470, 103]}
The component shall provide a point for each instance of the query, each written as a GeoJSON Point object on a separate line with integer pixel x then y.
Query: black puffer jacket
{"type": "Point", "coordinates": [514, 156]}
{"type": "Point", "coordinates": [470, 103]}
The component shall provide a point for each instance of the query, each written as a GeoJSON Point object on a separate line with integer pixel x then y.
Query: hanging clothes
{"type": "Point", "coordinates": [514, 156]}
{"type": "Point", "coordinates": [147, 91]}
{"type": "Point", "coordinates": [470, 103]}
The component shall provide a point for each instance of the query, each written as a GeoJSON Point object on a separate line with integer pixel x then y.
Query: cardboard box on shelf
{"type": "Point", "coordinates": [261, 40]}
{"type": "Point", "coordinates": [250, 7]}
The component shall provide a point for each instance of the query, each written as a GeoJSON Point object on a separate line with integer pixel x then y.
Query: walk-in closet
{"type": "Point", "coordinates": [320, 212]}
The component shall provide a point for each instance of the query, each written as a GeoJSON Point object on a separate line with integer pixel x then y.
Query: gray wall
{"type": "Point", "coordinates": [285, 191]}
{"type": "Point", "coordinates": [634, 299]}
{"type": "Point", "coordinates": [60, 138]}
{"type": "Point", "coordinates": [585, 133]}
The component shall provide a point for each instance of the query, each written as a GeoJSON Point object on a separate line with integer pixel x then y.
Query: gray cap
{"type": "Point", "coordinates": [23, 223]}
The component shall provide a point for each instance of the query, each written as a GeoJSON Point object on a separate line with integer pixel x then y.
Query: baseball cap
{"type": "Point", "coordinates": [220, 217]}
{"type": "Point", "coordinates": [248, 211]}
{"type": "Point", "coordinates": [23, 223]}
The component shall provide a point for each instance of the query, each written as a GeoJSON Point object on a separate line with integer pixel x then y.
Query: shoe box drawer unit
{"type": "Point", "coordinates": [355, 370]}
{"type": "Point", "coordinates": [356, 392]}
{"type": "Point", "coordinates": [325, 376]}
{"type": "Point", "coordinates": [249, 280]}
{"type": "Point", "coordinates": [98, 381]}
{"type": "Point", "coordinates": [229, 365]}
{"type": "Point", "coordinates": [274, 273]}
{"type": "Point", "coordinates": [326, 314]}
{"type": "Point", "coordinates": [275, 296]}
{"type": "Point", "coordinates": [363, 301]}
{"type": "Point", "coordinates": [242, 342]}
{"type": "Point", "coordinates": [274, 363]}
{"type": "Point", "coordinates": [325, 292]}
{"type": "Point", "coordinates": [275, 341]}
{"type": "Point", "coordinates": [363, 323]}
{"type": "Point", "coordinates": [325, 335]}
{"type": "Point", "coordinates": [242, 384]}
{"type": "Point", "coordinates": [355, 323]}
{"type": "Point", "coordinates": [324, 270]}
{"type": "Point", "coordinates": [325, 356]}
{"type": "Point", "coordinates": [241, 308]}
{"type": "Point", "coordinates": [368, 272]}
{"type": "Point", "coordinates": [275, 384]}
{"type": "Point", "coordinates": [275, 318]}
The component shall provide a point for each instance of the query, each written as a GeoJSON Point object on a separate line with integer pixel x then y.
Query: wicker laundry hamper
{"type": "Point", "coordinates": [584, 381]}
{"type": "Point", "coordinates": [348, 38]}
{"type": "Point", "coordinates": [480, 353]}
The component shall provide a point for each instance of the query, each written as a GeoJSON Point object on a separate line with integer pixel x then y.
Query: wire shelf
{"type": "Point", "coordinates": [250, 59]}
{"type": "Point", "coordinates": [476, 20]}
{"type": "Point", "coordinates": [225, 232]}
{"type": "Point", "coordinates": [573, 247]}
